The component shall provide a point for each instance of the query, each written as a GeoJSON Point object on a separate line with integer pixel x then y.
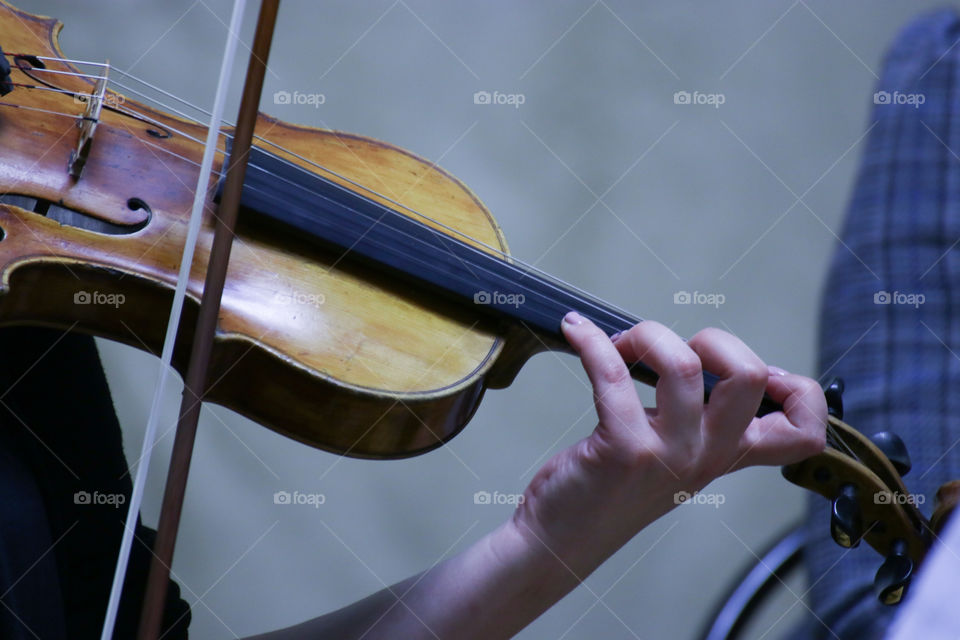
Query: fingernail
{"type": "Point", "coordinates": [573, 318]}
{"type": "Point", "coordinates": [776, 371]}
{"type": "Point", "coordinates": [616, 336]}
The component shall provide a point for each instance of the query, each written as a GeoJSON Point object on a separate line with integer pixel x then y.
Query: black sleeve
{"type": "Point", "coordinates": [58, 421]}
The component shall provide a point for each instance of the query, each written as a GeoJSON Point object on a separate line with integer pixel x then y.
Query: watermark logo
{"type": "Point", "coordinates": [299, 498]}
{"type": "Point", "coordinates": [885, 97]}
{"type": "Point", "coordinates": [511, 99]}
{"type": "Point", "coordinates": [497, 297]}
{"type": "Point", "coordinates": [485, 497]}
{"type": "Point", "coordinates": [115, 500]}
{"type": "Point", "coordinates": [697, 297]}
{"type": "Point", "coordinates": [899, 297]}
{"type": "Point", "coordinates": [108, 99]}
{"type": "Point", "coordinates": [299, 297]}
{"type": "Point", "coordinates": [711, 99]}
{"type": "Point", "coordinates": [895, 497]}
{"type": "Point", "coordinates": [685, 497]}
{"type": "Point", "coordinates": [98, 298]}
{"type": "Point", "coordinates": [297, 97]}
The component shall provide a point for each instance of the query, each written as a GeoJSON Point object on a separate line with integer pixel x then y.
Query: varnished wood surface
{"type": "Point", "coordinates": [308, 344]}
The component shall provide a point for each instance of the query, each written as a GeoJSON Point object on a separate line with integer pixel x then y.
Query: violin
{"type": "Point", "coordinates": [362, 320]}
{"type": "Point", "coordinates": [404, 310]}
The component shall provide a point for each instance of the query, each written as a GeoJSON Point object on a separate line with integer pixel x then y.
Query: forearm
{"type": "Point", "coordinates": [492, 590]}
{"type": "Point", "coordinates": [590, 499]}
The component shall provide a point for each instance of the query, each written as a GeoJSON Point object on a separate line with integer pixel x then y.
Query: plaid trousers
{"type": "Point", "coordinates": [890, 319]}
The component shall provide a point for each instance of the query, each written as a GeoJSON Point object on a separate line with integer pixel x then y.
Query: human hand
{"type": "Point", "coordinates": [590, 499]}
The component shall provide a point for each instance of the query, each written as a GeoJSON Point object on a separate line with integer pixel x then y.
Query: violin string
{"type": "Point", "coordinates": [133, 114]}
{"type": "Point", "coordinates": [65, 60]}
{"type": "Point", "coordinates": [410, 239]}
{"type": "Point", "coordinates": [525, 268]}
{"type": "Point", "coordinates": [506, 257]}
{"type": "Point", "coordinates": [516, 266]}
{"type": "Point", "coordinates": [298, 156]}
{"type": "Point", "coordinates": [835, 440]}
{"type": "Point", "coordinates": [473, 251]}
{"type": "Point", "coordinates": [39, 88]}
{"type": "Point", "coordinates": [555, 282]}
{"type": "Point", "coordinates": [173, 110]}
{"type": "Point", "coordinates": [55, 113]}
{"type": "Point", "coordinates": [520, 267]}
{"type": "Point", "coordinates": [172, 96]}
{"type": "Point", "coordinates": [158, 147]}
{"type": "Point", "coordinates": [92, 76]}
{"type": "Point", "coordinates": [833, 437]}
{"type": "Point", "coordinates": [75, 116]}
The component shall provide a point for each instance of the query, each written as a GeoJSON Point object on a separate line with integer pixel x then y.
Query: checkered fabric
{"type": "Point", "coordinates": [890, 322]}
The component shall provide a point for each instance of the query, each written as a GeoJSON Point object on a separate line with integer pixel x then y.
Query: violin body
{"type": "Point", "coordinates": [326, 351]}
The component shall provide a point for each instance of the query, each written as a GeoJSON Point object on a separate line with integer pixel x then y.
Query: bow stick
{"type": "Point", "coordinates": [196, 379]}
{"type": "Point", "coordinates": [173, 322]}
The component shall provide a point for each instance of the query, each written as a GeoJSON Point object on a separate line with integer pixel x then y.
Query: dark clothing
{"type": "Point", "coordinates": [64, 489]}
{"type": "Point", "coordinates": [897, 353]}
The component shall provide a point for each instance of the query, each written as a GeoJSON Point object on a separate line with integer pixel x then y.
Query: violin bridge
{"type": "Point", "coordinates": [87, 123]}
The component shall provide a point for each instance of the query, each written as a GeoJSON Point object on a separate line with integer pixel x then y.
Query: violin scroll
{"type": "Point", "coordinates": [861, 477]}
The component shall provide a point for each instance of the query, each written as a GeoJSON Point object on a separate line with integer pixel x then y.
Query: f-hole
{"type": "Point", "coordinates": [74, 218]}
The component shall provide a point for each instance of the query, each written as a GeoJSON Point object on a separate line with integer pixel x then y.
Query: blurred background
{"type": "Point", "coordinates": [641, 151]}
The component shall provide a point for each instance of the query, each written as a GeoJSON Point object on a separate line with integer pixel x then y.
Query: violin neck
{"type": "Point", "coordinates": [333, 216]}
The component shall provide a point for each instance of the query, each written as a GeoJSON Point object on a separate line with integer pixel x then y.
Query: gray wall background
{"type": "Point", "coordinates": [599, 178]}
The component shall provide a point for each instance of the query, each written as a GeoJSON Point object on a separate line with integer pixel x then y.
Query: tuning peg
{"type": "Point", "coordinates": [846, 523]}
{"type": "Point", "coordinates": [834, 395]}
{"type": "Point", "coordinates": [892, 446]}
{"type": "Point", "coordinates": [893, 576]}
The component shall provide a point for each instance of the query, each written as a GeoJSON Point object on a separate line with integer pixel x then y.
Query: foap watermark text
{"type": "Point", "coordinates": [497, 98]}
{"type": "Point", "coordinates": [897, 97]}
{"type": "Point", "coordinates": [699, 297]}
{"type": "Point", "coordinates": [696, 97]}
{"type": "Point", "coordinates": [299, 498]}
{"type": "Point", "coordinates": [99, 298]}
{"type": "Point", "coordinates": [685, 497]}
{"type": "Point", "coordinates": [499, 298]}
{"type": "Point", "coordinates": [115, 500]}
{"type": "Point", "coordinates": [899, 297]}
{"type": "Point", "coordinates": [485, 497]}
{"type": "Point", "coordinates": [895, 497]}
{"type": "Point", "coordinates": [299, 297]}
{"type": "Point", "coordinates": [298, 97]}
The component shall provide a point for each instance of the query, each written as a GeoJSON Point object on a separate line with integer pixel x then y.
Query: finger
{"type": "Point", "coordinates": [614, 395]}
{"type": "Point", "coordinates": [680, 387]}
{"type": "Point", "coordinates": [791, 435]}
{"type": "Point", "coordinates": [742, 378]}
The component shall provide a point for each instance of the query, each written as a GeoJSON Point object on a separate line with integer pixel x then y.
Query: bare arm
{"type": "Point", "coordinates": [589, 500]}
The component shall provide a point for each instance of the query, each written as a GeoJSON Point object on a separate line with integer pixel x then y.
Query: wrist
{"type": "Point", "coordinates": [530, 569]}
{"type": "Point", "coordinates": [561, 552]}
{"type": "Point", "coordinates": [582, 515]}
